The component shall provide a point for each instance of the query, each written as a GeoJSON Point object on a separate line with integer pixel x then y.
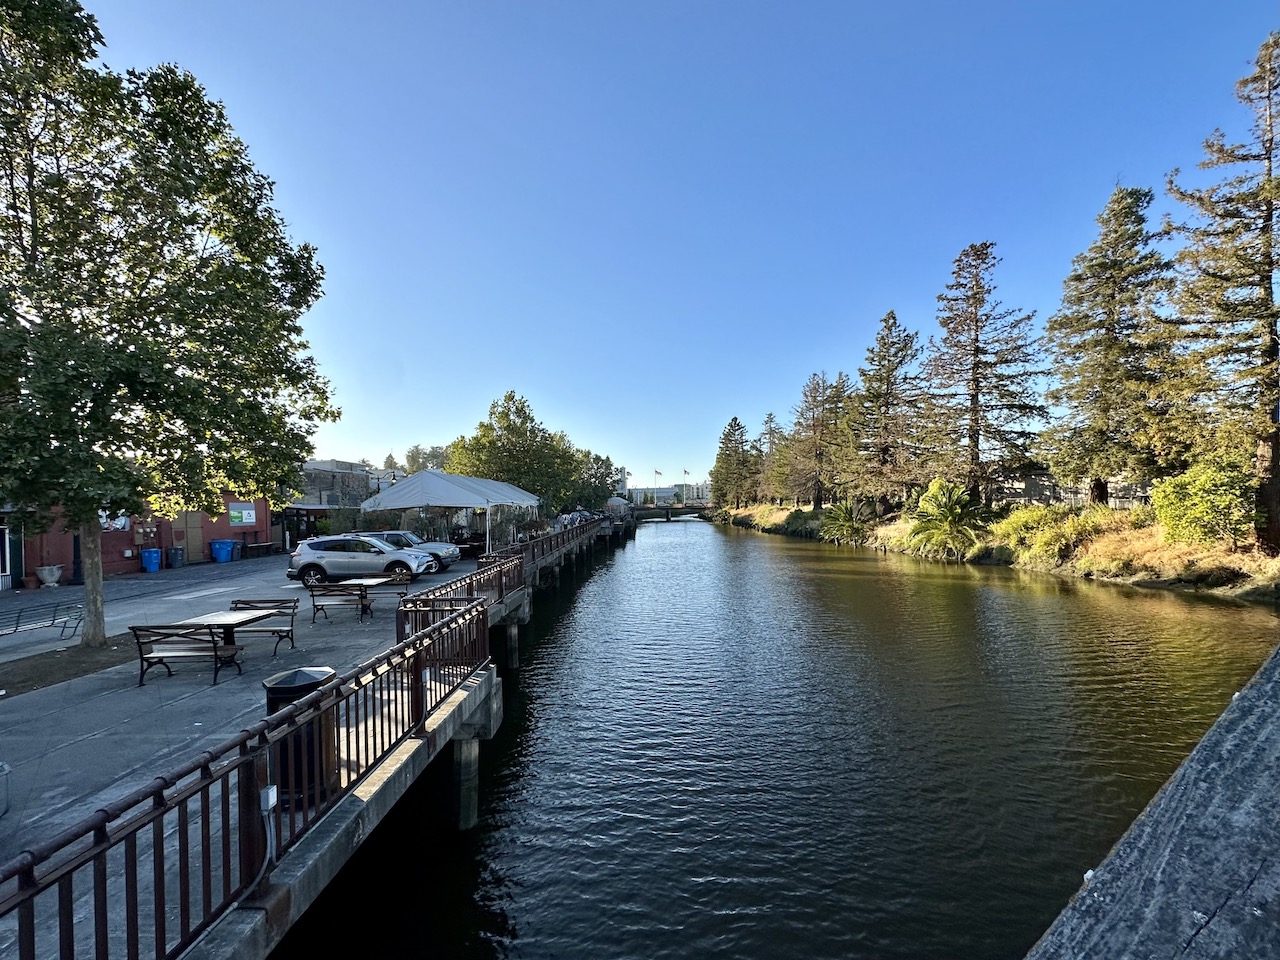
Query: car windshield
{"type": "Point", "coordinates": [413, 538]}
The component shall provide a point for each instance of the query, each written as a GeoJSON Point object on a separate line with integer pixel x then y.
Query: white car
{"type": "Point", "coordinates": [445, 554]}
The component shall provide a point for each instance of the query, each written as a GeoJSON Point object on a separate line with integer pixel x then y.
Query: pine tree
{"type": "Point", "coordinates": [1228, 268]}
{"type": "Point", "coordinates": [816, 435]}
{"type": "Point", "coordinates": [1107, 353]}
{"type": "Point", "coordinates": [884, 414]}
{"type": "Point", "coordinates": [772, 446]}
{"type": "Point", "coordinates": [731, 474]}
{"type": "Point", "coordinates": [981, 373]}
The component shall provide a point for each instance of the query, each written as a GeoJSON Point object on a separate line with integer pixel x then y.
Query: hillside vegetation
{"type": "Point", "coordinates": [1121, 546]}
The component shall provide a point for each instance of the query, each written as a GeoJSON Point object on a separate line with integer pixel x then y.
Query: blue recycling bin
{"type": "Point", "coordinates": [221, 550]}
{"type": "Point", "coordinates": [151, 559]}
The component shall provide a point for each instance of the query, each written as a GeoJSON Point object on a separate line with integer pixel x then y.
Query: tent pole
{"type": "Point", "coordinates": [488, 513]}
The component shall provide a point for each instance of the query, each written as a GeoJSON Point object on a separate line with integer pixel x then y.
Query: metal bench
{"type": "Point", "coordinates": [66, 616]}
{"type": "Point", "coordinates": [280, 626]}
{"type": "Point", "coordinates": [160, 644]}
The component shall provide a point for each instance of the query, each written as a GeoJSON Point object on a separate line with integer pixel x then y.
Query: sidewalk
{"type": "Point", "coordinates": [77, 745]}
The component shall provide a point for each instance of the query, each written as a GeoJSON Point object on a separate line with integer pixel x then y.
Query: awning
{"type": "Point", "coordinates": [435, 488]}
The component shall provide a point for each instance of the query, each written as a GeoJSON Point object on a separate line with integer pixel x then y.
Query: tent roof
{"type": "Point", "coordinates": [435, 488]}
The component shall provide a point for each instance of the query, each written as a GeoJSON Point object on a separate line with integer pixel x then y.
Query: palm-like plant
{"type": "Point", "coordinates": [946, 523]}
{"type": "Point", "coordinates": [844, 524]}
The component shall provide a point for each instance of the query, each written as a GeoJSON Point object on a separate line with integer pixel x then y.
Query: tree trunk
{"type": "Point", "coordinates": [1098, 491]}
{"type": "Point", "coordinates": [1268, 497]}
{"type": "Point", "coordinates": [95, 624]}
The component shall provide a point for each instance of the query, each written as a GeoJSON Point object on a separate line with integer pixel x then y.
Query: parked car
{"type": "Point", "coordinates": [349, 555]}
{"type": "Point", "coordinates": [445, 554]}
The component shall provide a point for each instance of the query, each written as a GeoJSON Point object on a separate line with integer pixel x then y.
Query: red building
{"type": "Point", "coordinates": [185, 539]}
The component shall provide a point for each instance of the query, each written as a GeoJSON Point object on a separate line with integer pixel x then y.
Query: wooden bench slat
{"type": "Point", "coordinates": [163, 642]}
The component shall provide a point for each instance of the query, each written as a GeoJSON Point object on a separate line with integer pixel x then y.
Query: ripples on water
{"type": "Point", "coordinates": [724, 744]}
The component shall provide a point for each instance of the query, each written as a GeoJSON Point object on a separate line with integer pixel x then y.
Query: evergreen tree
{"type": "Point", "coordinates": [816, 436]}
{"type": "Point", "coordinates": [771, 443]}
{"type": "Point", "coordinates": [885, 413]}
{"type": "Point", "coordinates": [981, 373]}
{"type": "Point", "coordinates": [1105, 351]}
{"type": "Point", "coordinates": [1228, 267]}
{"type": "Point", "coordinates": [731, 473]}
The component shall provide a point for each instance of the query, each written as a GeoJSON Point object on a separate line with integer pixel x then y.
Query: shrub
{"type": "Point", "coordinates": [843, 523]}
{"type": "Point", "coordinates": [946, 523]}
{"type": "Point", "coordinates": [1212, 501]}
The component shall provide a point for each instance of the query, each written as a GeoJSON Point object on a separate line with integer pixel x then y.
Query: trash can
{"type": "Point", "coordinates": [303, 765]}
{"type": "Point", "coordinates": [237, 548]}
{"type": "Point", "coordinates": [221, 550]}
{"type": "Point", "coordinates": [151, 559]}
{"type": "Point", "coordinates": [176, 556]}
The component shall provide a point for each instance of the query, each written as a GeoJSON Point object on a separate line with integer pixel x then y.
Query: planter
{"type": "Point", "coordinates": [49, 575]}
{"type": "Point", "coordinates": [30, 583]}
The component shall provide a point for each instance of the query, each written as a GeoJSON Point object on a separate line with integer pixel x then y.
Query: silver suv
{"type": "Point", "coordinates": [340, 557]}
{"type": "Point", "coordinates": [446, 554]}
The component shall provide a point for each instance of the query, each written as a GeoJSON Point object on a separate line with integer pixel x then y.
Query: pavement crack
{"type": "Point", "coordinates": [1231, 895]}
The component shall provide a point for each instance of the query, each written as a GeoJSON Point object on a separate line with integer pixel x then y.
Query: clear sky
{"type": "Point", "coordinates": [648, 218]}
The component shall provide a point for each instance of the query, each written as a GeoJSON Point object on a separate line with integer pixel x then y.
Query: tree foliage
{"type": "Point", "coordinates": [1213, 501]}
{"type": "Point", "coordinates": [513, 446]}
{"type": "Point", "coordinates": [815, 437]}
{"type": "Point", "coordinates": [151, 351]}
{"type": "Point", "coordinates": [885, 448]}
{"type": "Point", "coordinates": [1107, 351]}
{"type": "Point", "coordinates": [733, 480]}
{"type": "Point", "coordinates": [946, 522]}
{"type": "Point", "coordinates": [1228, 272]}
{"type": "Point", "coordinates": [982, 372]}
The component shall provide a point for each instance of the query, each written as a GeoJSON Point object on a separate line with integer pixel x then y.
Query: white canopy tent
{"type": "Point", "coordinates": [435, 488]}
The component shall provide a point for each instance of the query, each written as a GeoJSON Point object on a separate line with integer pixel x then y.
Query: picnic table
{"type": "Point", "coordinates": [353, 593]}
{"type": "Point", "coordinates": [208, 635]}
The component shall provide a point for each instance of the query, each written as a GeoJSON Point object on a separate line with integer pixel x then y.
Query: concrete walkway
{"type": "Point", "coordinates": [72, 747]}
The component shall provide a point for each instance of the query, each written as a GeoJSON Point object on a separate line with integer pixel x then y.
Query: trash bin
{"type": "Point", "coordinates": [237, 548]}
{"type": "Point", "coordinates": [176, 556]}
{"type": "Point", "coordinates": [151, 559]}
{"type": "Point", "coordinates": [221, 550]}
{"type": "Point", "coordinates": [303, 765]}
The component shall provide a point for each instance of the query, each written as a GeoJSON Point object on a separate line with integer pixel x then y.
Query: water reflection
{"type": "Point", "coordinates": [722, 743]}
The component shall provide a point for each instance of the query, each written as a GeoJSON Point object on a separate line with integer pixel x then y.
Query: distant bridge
{"type": "Point", "coordinates": [667, 513]}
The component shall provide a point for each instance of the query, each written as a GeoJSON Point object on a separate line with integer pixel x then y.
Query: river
{"type": "Point", "coordinates": [726, 744]}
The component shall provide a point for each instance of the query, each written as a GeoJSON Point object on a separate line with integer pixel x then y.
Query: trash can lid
{"type": "Point", "coordinates": [301, 677]}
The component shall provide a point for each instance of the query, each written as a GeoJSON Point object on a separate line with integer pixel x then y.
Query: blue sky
{"type": "Point", "coordinates": [648, 218]}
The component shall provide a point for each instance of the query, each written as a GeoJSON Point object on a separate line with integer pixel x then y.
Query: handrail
{"type": "Point", "coordinates": [182, 849]}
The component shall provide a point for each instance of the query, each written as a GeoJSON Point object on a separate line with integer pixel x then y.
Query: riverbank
{"type": "Point", "coordinates": [1116, 552]}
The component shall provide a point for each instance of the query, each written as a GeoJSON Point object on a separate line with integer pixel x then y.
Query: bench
{"type": "Point", "coordinates": [160, 644]}
{"type": "Point", "coordinates": [66, 616]}
{"type": "Point", "coordinates": [279, 626]}
{"type": "Point", "coordinates": [339, 595]}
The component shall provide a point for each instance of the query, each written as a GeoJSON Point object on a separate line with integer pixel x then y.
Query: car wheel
{"type": "Point", "coordinates": [310, 576]}
{"type": "Point", "coordinates": [400, 569]}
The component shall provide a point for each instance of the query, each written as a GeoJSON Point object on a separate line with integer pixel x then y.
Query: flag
{"type": "Point", "coordinates": [686, 473]}
{"type": "Point", "coordinates": [657, 473]}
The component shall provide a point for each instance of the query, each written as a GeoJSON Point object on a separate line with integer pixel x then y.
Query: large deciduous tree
{"type": "Point", "coordinates": [513, 446]}
{"type": "Point", "coordinates": [1228, 271]}
{"type": "Point", "coordinates": [1108, 355]}
{"type": "Point", "coordinates": [982, 373]}
{"type": "Point", "coordinates": [151, 352]}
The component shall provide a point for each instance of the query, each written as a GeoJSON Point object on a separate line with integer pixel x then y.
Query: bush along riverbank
{"type": "Point", "coordinates": [1099, 543]}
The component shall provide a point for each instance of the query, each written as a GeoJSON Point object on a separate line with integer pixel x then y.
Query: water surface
{"type": "Point", "coordinates": [725, 744]}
